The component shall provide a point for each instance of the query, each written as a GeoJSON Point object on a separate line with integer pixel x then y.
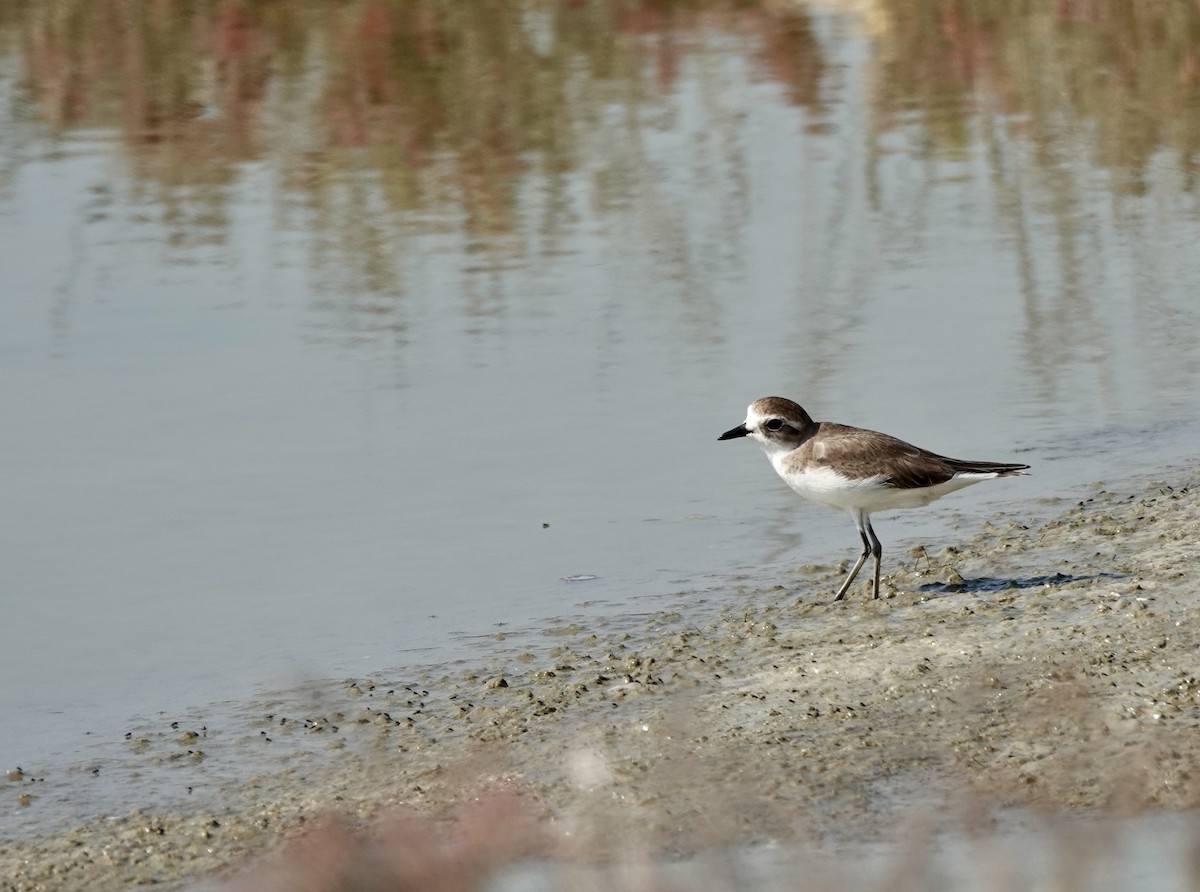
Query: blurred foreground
{"type": "Point", "coordinates": [500, 843]}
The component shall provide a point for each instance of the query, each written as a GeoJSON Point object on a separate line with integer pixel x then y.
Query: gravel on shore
{"type": "Point", "coordinates": [1055, 664]}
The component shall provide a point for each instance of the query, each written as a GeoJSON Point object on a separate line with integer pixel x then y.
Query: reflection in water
{"type": "Point", "coordinates": [387, 122]}
{"type": "Point", "coordinates": [384, 118]}
{"type": "Point", "coordinates": [1033, 91]}
{"type": "Point", "coordinates": [1131, 72]}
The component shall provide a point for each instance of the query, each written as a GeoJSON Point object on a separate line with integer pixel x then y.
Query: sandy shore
{"type": "Point", "coordinates": [1052, 665]}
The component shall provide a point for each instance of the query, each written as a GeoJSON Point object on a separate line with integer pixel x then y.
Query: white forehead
{"type": "Point", "coordinates": [754, 415]}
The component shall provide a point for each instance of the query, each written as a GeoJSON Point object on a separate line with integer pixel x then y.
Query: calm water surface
{"type": "Point", "coordinates": [337, 337]}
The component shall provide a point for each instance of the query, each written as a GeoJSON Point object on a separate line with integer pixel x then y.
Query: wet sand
{"type": "Point", "coordinates": [1050, 664]}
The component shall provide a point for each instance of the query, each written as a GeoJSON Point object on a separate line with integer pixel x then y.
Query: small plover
{"type": "Point", "coordinates": [856, 470]}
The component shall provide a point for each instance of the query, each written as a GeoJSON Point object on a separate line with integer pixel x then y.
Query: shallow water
{"type": "Point", "coordinates": [334, 340]}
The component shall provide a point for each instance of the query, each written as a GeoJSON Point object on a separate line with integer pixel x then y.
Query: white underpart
{"type": "Point", "coordinates": [825, 486]}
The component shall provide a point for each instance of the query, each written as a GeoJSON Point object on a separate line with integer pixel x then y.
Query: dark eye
{"type": "Point", "coordinates": [775, 424]}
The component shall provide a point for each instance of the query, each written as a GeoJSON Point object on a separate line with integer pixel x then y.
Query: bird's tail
{"type": "Point", "coordinates": [1000, 469]}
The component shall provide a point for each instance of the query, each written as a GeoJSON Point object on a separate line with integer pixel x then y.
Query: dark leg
{"type": "Point", "coordinates": [876, 549]}
{"type": "Point", "coordinates": [870, 545]}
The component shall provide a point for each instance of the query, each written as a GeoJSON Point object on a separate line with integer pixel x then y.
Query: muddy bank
{"type": "Point", "coordinates": [1052, 664]}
